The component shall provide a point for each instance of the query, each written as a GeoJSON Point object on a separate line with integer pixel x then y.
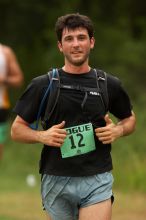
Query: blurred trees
{"type": "Point", "coordinates": [120, 32]}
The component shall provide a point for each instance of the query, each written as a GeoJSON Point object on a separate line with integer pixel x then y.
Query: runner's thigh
{"type": "Point", "coordinates": [99, 211]}
{"type": "Point", "coordinates": [48, 217]}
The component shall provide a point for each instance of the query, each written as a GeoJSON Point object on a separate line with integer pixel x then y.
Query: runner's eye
{"type": "Point", "coordinates": [81, 37]}
{"type": "Point", "coordinates": [68, 39]}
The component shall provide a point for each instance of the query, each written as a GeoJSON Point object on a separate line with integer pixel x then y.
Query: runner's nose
{"type": "Point", "coordinates": [75, 42]}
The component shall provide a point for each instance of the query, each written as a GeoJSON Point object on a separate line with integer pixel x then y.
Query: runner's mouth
{"type": "Point", "coordinates": [77, 52]}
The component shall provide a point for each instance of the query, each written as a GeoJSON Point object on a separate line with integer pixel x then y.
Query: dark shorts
{"type": "Point", "coordinates": [4, 113]}
{"type": "Point", "coordinates": [62, 197]}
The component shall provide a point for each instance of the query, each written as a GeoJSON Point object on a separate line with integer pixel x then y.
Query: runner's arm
{"type": "Point", "coordinates": [21, 132]}
{"type": "Point", "coordinates": [112, 131]}
{"type": "Point", "coordinates": [15, 75]}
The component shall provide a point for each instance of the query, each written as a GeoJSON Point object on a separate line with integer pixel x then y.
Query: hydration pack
{"type": "Point", "coordinates": [53, 91]}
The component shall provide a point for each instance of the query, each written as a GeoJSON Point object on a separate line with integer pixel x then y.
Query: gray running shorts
{"type": "Point", "coordinates": [62, 197]}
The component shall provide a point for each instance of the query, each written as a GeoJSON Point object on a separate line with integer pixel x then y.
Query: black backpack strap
{"type": "Point", "coordinates": [78, 88]}
{"type": "Point", "coordinates": [101, 79]}
{"type": "Point", "coordinates": [52, 96]}
{"type": "Point", "coordinates": [53, 76]}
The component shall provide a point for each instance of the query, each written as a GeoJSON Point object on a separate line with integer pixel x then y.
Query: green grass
{"type": "Point", "coordinates": [21, 205]}
{"type": "Point", "coordinates": [18, 200]}
{"type": "Point", "coordinates": [19, 160]}
{"type": "Point", "coordinates": [129, 156]}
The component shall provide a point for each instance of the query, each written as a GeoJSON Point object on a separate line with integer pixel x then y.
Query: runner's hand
{"type": "Point", "coordinates": [108, 133]}
{"type": "Point", "coordinates": [54, 136]}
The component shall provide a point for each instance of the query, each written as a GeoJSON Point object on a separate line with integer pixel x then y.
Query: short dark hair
{"type": "Point", "coordinates": [73, 21]}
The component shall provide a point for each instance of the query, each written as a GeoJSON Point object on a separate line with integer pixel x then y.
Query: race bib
{"type": "Point", "coordinates": [79, 140]}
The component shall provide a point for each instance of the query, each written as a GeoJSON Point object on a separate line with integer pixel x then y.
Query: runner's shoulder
{"type": "Point", "coordinates": [41, 80]}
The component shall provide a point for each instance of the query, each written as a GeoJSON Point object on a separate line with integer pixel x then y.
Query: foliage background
{"type": "Point", "coordinates": [120, 32]}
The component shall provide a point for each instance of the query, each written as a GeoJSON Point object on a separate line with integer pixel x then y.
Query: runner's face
{"type": "Point", "coordinates": [76, 45]}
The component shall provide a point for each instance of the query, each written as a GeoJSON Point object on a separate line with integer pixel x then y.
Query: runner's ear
{"type": "Point", "coordinates": [60, 46]}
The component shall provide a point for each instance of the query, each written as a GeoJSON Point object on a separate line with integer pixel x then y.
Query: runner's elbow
{"type": "Point", "coordinates": [14, 132]}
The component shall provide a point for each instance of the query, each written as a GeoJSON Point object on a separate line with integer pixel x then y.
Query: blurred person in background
{"type": "Point", "coordinates": [76, 161]}
{"type": "Point", "coordinates": [10, 76]}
